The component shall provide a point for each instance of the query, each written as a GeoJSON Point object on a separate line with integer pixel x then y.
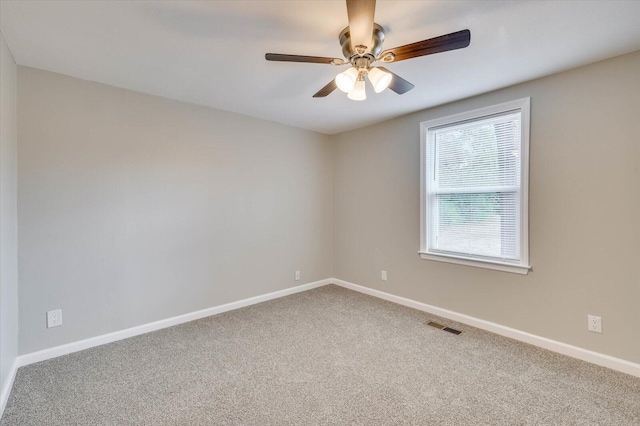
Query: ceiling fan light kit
{"type": "Point", "coordinates": [358, 93]}
{"type": "Point", "coordinates": [361, 45]}
{"type": "Point", "coordinates": [379, 79]}
{"type": "Point", "coordinates": [353, 80]}
{"type": "Point", "coordinates": [347, 80]}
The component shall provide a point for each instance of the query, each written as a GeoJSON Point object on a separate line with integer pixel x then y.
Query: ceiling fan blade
{"type": "Point", "coordinates": [326, 89]}
{"type": "Point", "coordinates": [361, 14]}
{"type": "Point", "coordinates": [457, 40]}
{"type": "Point", "coordinates": [300, 58]}
{"type": "Point", "coordinates": [398, 84]}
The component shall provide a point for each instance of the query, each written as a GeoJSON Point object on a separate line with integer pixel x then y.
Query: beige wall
{"type": "Point", "coordinates": [134, 208]}
{"type": "Point", "coordinates": [584, 212]}
{"type": "Point", "coordinates": [8, 216]}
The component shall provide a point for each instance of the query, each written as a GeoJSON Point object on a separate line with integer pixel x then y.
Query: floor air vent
{"type": "Point", "coordinates": [443, 327]}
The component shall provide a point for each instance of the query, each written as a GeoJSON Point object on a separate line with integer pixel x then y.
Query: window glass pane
{"type": "Point", "coordinates": [482, 224]}
{"type": "Point", "coordinates": [484, 153]}
{"type": "Point", "coordinates": [474, 204]}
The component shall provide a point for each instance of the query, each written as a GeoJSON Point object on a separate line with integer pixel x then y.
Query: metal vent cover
{"type": "Point", "coordinates": [443, 327]}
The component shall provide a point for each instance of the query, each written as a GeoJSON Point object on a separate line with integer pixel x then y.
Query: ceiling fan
{"type": "Point", "coordinates": [361, 45]}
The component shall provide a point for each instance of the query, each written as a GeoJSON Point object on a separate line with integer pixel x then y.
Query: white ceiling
{"type": "Point", "coordinates": [212, 53]}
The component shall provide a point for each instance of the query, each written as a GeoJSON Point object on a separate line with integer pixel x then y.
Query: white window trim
{"type": "Point", "coordinates": [522, 267]}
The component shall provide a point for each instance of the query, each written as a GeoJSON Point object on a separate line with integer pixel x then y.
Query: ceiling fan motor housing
{"type": "Point", "coordinates": [350, 51]}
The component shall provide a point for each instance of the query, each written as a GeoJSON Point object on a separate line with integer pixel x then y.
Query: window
{"type": "Point", "coordinates": [474, 185]}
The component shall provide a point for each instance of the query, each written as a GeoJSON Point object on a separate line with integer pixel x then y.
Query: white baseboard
{"type": "Point", "coordinates": [6, 387]}
{"type": "Point", "coordinates": [613, 363]}
{"type": "Point", "coordinates": [552, 345]}
{"type": "Point", "coordinates": [91, 342]}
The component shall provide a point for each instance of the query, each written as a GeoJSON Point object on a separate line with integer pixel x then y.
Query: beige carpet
{"type": "Point", "coordinates": [326, 356]}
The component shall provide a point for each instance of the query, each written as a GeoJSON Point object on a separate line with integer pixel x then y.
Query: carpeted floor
{"type": "Point", "coordinates": [325, 356]}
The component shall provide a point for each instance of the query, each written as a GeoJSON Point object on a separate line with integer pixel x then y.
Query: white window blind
{"type": "Point", "coordinates": [473, 178]}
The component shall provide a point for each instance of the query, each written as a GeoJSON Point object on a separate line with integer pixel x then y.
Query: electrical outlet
{"type": "Point", "coordinates": [595, 323]}
{"type": "Point", "coordinates": [54, 318]}
{"type": "Point", "coordinates": [297, 276]}
{"type": "Point", "coordinates": [383, 275]}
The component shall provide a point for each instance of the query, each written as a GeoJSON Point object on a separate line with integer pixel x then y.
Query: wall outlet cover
{"type": "Point", "coordinates": [54, 318]}
{"type": "Point", "coordinates": [594, 323]}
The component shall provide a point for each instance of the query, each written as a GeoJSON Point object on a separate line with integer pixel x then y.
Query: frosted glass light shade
{"type": "Point", "coordinates": [358, 93]}
{"type": "Point", "coordinates": [346, 80]}
{"type": "Point", "coordinates": [379, 79]}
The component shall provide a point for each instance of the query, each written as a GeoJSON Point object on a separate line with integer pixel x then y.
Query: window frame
{"type": "Point", "coordinates": [520, 267]}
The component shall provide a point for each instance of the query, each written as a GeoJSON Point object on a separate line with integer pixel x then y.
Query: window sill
{"type": "Point", "coordinates": [497, 266]}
